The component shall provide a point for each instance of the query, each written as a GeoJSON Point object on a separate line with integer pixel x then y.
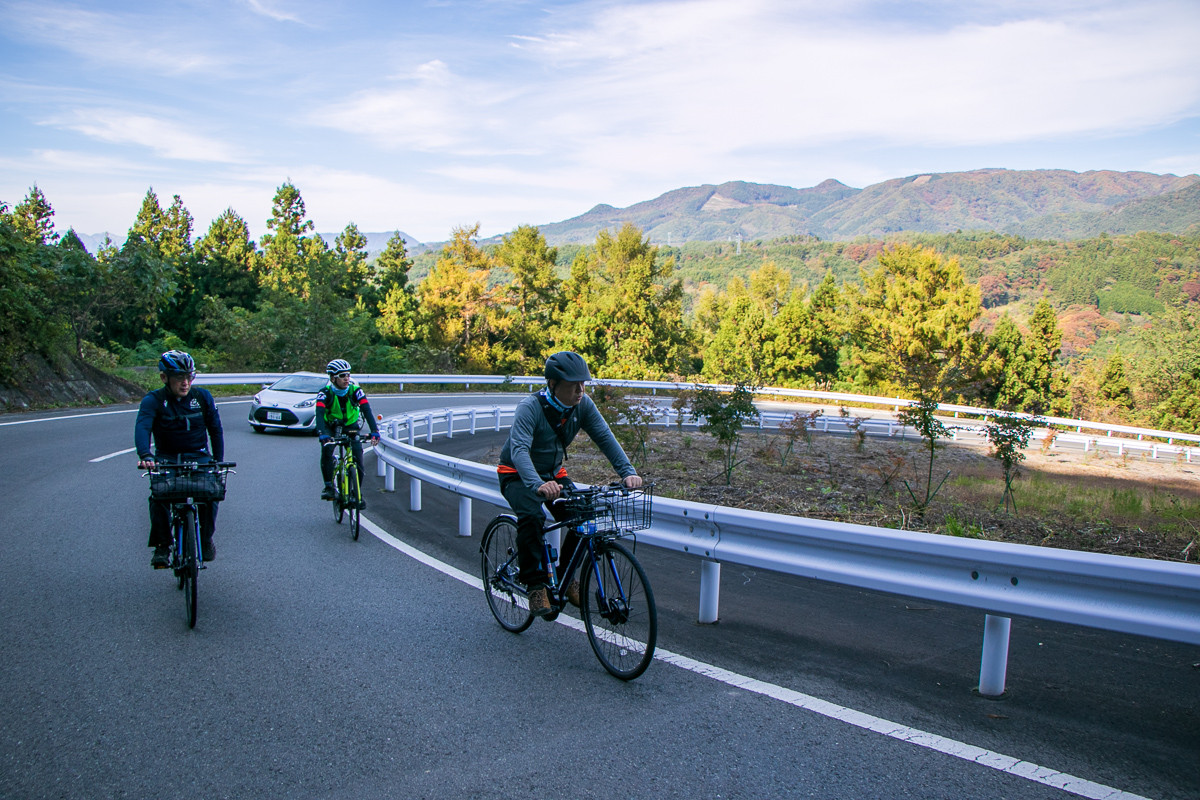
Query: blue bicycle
{"type": "Point", "coordinates": [184, 485]}
{"type": "Point", "coordinates": [617, 604]}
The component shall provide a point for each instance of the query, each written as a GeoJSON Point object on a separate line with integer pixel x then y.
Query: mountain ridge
{"type": "Point", "coordinates": [1050, 204]}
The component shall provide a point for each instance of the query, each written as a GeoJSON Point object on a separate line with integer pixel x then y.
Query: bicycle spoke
{"type": "Point", "coordinates": [498, 561]}
{"type": "Point", "coordinates": [619, 611]}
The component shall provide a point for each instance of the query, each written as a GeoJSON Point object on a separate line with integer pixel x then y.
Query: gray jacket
{"type": "Point", "coordinates": [535, 451]}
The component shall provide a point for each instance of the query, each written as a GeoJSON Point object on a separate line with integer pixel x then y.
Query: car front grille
{"type": "Point", "coordinates": [286, 417]}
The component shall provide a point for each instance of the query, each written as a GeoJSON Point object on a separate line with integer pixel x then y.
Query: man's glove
{"type": "Point", "coordinates": [323, 438]}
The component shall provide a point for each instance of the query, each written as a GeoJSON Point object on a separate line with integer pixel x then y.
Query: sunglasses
{"type": "Point", "coordinates": [341, 375]}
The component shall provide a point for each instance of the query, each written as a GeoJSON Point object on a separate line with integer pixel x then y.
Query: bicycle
{"type": "Point", "coordinates": [184, 485]}
{"type": "Point", "coordinates": [347, 488]}
{"type": "Point", "coordinates": [617, 603]}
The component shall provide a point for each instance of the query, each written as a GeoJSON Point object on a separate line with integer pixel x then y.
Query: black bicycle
{"type": "Point", "coordinates": [347, 488]}
{"type": "Point", "coordinates": [184, 486]}
{"type": "Point", "coordinates": [617, 603]}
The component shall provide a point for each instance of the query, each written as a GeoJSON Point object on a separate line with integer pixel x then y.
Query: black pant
{"type": "Point", "coordinates": [160, 521]}
{"type": "Point", "coordinates": [160, 513]}
{"type": "Point", "coordinates": [531, 520]}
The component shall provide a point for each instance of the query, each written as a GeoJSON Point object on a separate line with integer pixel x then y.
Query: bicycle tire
{"type": "Point", "coordinates": [498, 565]}
{"type": "Point", "coordinates": [191, 565]}
{"type": "Point", "coordinates": [355, 495]}
{"type": "Point", "coordinates": [339, 489]}
{"type": "Point", "coordinates": [619, 614]}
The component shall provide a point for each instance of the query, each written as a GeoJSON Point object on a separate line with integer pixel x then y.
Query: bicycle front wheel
{"type": "Point", "coordinates": [498, 561]}
{"type": "Point", "coordinates": [339, 490]}
{"type": "Point", "coordinates": [191, 565]}
{"type": "Point", "coordinates": [619, 611]}
{"type": "Point", "coordinates": [353, 499]}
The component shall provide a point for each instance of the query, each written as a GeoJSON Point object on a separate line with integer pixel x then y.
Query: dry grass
{"type": "Point", "coordinates": [1098, 503]}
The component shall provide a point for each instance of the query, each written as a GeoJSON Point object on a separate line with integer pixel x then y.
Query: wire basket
{"type": "Point", "coordinates": [623, 509]}
{"type": "Point", "coordinates": [172, 486]}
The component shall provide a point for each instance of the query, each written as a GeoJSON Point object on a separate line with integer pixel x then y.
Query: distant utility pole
{"type": "Point", "coordinates": [739, 245]}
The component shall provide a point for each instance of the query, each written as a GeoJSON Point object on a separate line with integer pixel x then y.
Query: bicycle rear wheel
{"type": "Point", "coordinates": [619, 611]}
{"type": "Point", "coordinates": [191, 565]}
{"type": "Point", "coordinates": [353, 499]}
{"type": "Point", "coordinates": [498, 563]}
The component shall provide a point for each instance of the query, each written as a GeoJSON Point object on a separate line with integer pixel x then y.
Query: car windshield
{"type": "Point", "coordinates": [303, 384]}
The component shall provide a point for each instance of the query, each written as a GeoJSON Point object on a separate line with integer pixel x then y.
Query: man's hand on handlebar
{"type": "Point", "coordinates": [632, 481]}
{"type": "Point", "coordinates": [550, 490]}
{"type": "Point", "coordinates": [145, 462]}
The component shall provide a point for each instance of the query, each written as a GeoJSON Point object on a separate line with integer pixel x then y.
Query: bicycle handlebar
{"type": "Point", "coordinates": [191, 465]}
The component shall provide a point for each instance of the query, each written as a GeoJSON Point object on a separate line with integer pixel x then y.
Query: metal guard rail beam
{"type": "Point", "coordinates": [1118, 593]}
{"type": "Point", "coordinates": [234, 379]}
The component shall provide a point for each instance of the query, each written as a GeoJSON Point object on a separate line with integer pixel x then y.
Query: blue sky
{"type": "Point", "coordinates": [425, 116]}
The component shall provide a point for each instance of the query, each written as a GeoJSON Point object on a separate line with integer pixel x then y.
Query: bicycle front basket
{"type": "Point", "coordinates": [631, 509]}
{"type": "Point", "coordinates": [177, 487]}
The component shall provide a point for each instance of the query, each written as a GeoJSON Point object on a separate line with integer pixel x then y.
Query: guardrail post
{"type": "Point", "coordinates": [472, 422]}
{"type": "Point", "coordinates": [994, 664]}
{"type": "Point", "coordinates": [414, 494]}
{"type": "Point", "coordinates": [429, 427]}
{"type": "Point", "coordinates": [464, 516]}
{"type": "Point", "coordinates": [449, 423]}
{"type": "Point", "coordinates": [380, 466]}
{"type": "Point", "coordinates": [389, 479]}
{"type": "Point", "coordinates": [710, 591]}
{"type": "Point", "coordinates": [497, 412]}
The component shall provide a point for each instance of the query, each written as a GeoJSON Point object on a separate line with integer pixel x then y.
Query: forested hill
{"type": "Point", "coordinates": [1049, 203]}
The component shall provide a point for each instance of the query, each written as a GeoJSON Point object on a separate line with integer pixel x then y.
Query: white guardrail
{"type": "Point", "coordinates": [1145, 597]}
{"type": "Point", "coordinates": [1130, 595]}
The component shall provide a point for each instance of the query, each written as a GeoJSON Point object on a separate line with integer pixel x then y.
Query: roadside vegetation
{"type": "Point", "coordinates": [1105, 329]}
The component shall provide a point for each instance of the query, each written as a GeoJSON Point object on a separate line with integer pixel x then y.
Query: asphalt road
{"type": "Point", "coordinates": [322, 667]}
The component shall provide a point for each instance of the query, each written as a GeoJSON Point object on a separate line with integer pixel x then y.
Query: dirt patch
{"type": "Point", "coordinates": [1129, 506]}
{"type": "Point", "coordinates": [63, 382]}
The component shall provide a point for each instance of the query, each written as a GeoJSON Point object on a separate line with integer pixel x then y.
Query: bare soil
{"type": "Point", "coordinates": [1128, 506]}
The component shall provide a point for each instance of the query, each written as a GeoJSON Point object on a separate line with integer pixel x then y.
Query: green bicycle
{"type": "Point", "coordinates": [347, 498]}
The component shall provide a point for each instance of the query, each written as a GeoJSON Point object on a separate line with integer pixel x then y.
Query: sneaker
{"type": "Point", "coordinates": [161, 558]}
{"type": "Point", "coordinates": [539, 604]}
{"type": "Point", "coordinates": [208, 550]}
{"type": "Point", "coordinates": [361, 504]}
{"type": "Point", "coordinates": [328, 493]}
{"type": "Point", "coordinates": [573, 593]}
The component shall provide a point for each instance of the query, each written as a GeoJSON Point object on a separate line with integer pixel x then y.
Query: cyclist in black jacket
{"type": "Point", "coordinates": [182, 419]}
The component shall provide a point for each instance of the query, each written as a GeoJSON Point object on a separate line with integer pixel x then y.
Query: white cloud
{"type": "Point", "coordinates": [167, 138]}
{"type": "Point", "coordinates": [105, 37]}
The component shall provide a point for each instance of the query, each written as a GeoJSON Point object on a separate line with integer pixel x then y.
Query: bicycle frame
{"type": "Point", "coordinates": [588, 533]}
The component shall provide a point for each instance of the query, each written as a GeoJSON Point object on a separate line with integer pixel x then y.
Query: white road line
{"type": "Point", "coordinates": [96, 414]}
{"type": "Point", "coordinates": [978, 755]}
{"type": "Point", "coordinates": [69, 416]}
{"type": "Point", "coordinates": [111, 455]}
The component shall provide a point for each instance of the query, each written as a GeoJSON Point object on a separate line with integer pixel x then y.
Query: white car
{"type": "Point", "coordinates": [289, 403]}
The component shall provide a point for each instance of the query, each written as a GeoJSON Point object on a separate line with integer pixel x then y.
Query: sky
{"type": "Point", "coordinates": [429, 116]}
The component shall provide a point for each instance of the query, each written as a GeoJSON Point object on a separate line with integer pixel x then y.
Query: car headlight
{"type": "Point", "coordinates": [256, 401]}
{"type": "Point", "coordinates": [309, 403]}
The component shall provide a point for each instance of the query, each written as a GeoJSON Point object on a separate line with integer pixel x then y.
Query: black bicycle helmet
{"type": "Point", "coordinates": [567, 366]}
{"type": "Point", "coordinates": [336, 366]}
{"type": "Point", "coordinates": [176, 363]}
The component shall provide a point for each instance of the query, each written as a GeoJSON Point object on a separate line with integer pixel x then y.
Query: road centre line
{"type": "Point", "coordinates": [966, 752]}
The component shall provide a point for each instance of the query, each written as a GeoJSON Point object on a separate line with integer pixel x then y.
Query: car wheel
{"type": "Point", "coordinates": [258, 428]}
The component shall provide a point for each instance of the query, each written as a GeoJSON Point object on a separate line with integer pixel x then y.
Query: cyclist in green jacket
{"type": "Point", "coordinates": [341, 407]}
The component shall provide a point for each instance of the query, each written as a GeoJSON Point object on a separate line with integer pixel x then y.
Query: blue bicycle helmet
{"type": "Point", "coordinates": [567, 366]}
{"type": "Point", "coordinates": [336, 366]}
{"type": "Point", "coordinates": [176, 363]}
